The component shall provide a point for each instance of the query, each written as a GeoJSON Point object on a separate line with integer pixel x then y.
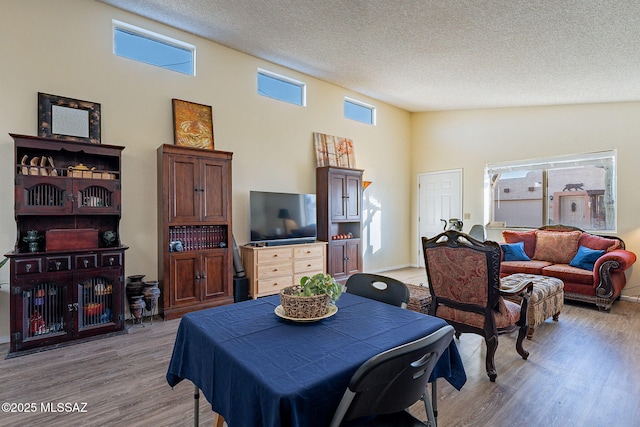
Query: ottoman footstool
{"type": "Point", "coordinates": [419, 298]}
{"type": "Point", "coordinates": [546, 300]}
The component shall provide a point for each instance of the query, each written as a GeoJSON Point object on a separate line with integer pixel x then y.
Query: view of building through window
{"type": "Point", "coordinates": [577, 191]}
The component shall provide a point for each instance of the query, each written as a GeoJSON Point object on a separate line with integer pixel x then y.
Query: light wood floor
{"type": "Point", "coordinates": [582, 370]}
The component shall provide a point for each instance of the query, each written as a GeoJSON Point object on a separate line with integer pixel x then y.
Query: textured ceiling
{"type": "Point", "coordinates": [432, 54]}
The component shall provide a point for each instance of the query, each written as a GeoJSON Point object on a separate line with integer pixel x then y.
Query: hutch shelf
{"type": "Point", "coordinates": [67, 266]}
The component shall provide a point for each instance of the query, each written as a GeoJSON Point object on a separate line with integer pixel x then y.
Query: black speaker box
{"type": "Point", "coordinates": [240, 289]}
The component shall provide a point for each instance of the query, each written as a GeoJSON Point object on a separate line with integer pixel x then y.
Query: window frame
{"type": "Point", "coordinates": [156, 37]}
{"type": "Point", "coordinates": [283, 79]}
{"type": "Point", "coordinates": [360, 104]}
{"type": "Point", "coordinates": [608, 159]}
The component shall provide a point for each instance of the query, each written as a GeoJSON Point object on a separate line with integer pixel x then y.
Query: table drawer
{"type": "Point", "coordinates": [307, 265]}
{"type": "Point", "coordinates": [275, 269]}
{"type": "Point", "coordinates": [308, 251]}
{"type": "Point", "coordinates": [275, 254]}
{"type": "Point", "coordinates": [273, 286]}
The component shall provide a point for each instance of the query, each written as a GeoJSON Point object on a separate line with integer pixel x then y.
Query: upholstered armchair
{"type": "Point", "coordinates": [464, 281]}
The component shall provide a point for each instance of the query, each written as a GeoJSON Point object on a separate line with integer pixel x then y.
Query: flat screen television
{"type": "Point", "coordinates": [282, 218]}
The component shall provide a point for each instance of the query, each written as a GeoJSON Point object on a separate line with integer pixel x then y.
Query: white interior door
{"type": "Point", "coordinates": [439, 197]}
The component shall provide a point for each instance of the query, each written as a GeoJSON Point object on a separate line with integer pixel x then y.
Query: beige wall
{"type": "Point", "coordinates": [470, 139]}
{"type": "Point", "coordinates": [65, 48]}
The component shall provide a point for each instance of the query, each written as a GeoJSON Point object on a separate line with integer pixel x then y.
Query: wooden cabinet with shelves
{"type": "Point", "coordinates": [67, 279]}
{"type": "Point", "coordinates": [194, 229]}
{"type": "Point", "coordinates": [272, 268]}
{"type": "Point", "coordinates": [339, 204]}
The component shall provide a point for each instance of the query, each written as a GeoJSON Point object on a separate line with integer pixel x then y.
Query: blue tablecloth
{"type": "Point", "coordinates": [257, 369]}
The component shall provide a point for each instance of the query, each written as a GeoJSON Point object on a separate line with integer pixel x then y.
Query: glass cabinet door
{"type": "Point", "coordinates": [43, 314]}
{"type": "Point", "coordinates": [97, 300]}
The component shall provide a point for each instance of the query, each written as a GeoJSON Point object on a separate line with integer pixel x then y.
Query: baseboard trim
{"type": "Point", "coordinates": [396, 267]}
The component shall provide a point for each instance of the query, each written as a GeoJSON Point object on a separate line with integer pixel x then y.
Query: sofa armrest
{"type": "Point", "coordinates": [607, 267]}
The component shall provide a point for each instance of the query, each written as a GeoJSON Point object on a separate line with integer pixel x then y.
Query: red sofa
{"type": "Point", "coordinates": [551, 250]}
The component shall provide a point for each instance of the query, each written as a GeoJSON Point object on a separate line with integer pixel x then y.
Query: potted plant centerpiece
{"type": "Point", "coordinates": [312, 298]}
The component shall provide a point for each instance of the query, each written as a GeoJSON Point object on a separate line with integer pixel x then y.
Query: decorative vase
{"type": "Point", "coordinates": [151, 293]}
{"type": "Point", "coordinates": [32, 240]}
{"type": "Point", "coordinates": [134, 286]}
{"type": "Point", "coordinates": [136, 307]}
{"type": "Point", "coordinates": [109, 237]}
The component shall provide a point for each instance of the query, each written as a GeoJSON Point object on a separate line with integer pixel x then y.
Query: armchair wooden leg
{"type": "Point", "coordinates": [530, 333]}
{"type": "Point", "coordinates": [492, 345]}
{"type": "Point", "coordinates": [218, 420]}
{"type": "Point", "coordinates": [522, 333]}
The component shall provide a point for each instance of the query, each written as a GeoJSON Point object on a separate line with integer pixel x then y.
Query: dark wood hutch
{"type": "Point", "coordinates": [67, 266]}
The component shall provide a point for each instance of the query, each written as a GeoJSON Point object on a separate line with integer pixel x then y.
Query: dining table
{"type": "Point", "coordinates": [258, 368]}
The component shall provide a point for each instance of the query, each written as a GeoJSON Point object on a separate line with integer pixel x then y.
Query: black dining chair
{"type": "Point", "coordinates": [379, 288]}
{"type": "Point", "coordinates": [384, 386]}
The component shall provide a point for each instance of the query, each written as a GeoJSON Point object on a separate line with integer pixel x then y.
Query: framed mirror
{"type": "Point", "coordinates": [67, 118]}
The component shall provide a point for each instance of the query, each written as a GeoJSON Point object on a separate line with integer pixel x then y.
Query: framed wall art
{"type": "Point", "coordinates": [67, 118]}
{"type": "Point", "coordinates": [192, 124]}
{"type": "Point", "coordinates": [334, 151]}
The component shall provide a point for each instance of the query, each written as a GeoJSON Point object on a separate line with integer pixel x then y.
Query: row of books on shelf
{"type": "Point", "coordinates": [190, 238]}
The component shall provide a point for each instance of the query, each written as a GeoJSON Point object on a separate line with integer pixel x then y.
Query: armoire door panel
{"type": "Point", "coordinates": [183, 194]}
{"type": "Point", "coordinates": [214, 274]}
{"type": "Point", "coordinates": [186, 289]}
{"type": "Point", "coordinates": [215, 197]}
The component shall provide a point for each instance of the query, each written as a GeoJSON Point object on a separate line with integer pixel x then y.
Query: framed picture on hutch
{"type": "Point", "coordinates": [192, 124]}
{"type": "Point", "coordinates": [69, 119]}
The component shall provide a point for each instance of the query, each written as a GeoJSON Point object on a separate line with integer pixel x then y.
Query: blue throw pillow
{"type": "Point", "coordinates": [586, 258]}
{"type": "Point", "coordinates": [514, 252]}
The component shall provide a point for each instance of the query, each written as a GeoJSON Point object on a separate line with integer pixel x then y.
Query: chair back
{"type": "Point", "coordinates": [379, 288]}
{"type": "Point", "coordinates": [464, 276]}
{"type": "Point", "coordinates": [392, 380]}
{"type": "Point", "coordinates": [478, 232]}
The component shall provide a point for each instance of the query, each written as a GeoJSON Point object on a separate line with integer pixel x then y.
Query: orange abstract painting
{"type": "Point", "coordinates": [193, 124]}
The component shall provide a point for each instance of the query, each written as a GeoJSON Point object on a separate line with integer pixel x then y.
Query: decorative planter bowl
{"type": "Point", "coordinates": [303, 307]}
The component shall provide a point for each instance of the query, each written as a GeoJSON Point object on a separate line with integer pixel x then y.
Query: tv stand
{"type": "Point", "coordinates": [273, 268]}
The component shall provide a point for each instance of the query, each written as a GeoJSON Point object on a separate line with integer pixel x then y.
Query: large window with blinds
{"type": "Point", "coordinates": [577, 190]}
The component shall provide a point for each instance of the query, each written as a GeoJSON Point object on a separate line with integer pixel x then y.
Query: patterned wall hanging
{"type": "Point", "coordinates": [334, 151]}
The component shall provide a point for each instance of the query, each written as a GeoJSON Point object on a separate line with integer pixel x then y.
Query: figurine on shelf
{"type": "Point", "coordinates": [37, 325]}
{"type": "Point", "coordinates": [109, 237]}
{"type": "Point", "coordinates": [32, 239]}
